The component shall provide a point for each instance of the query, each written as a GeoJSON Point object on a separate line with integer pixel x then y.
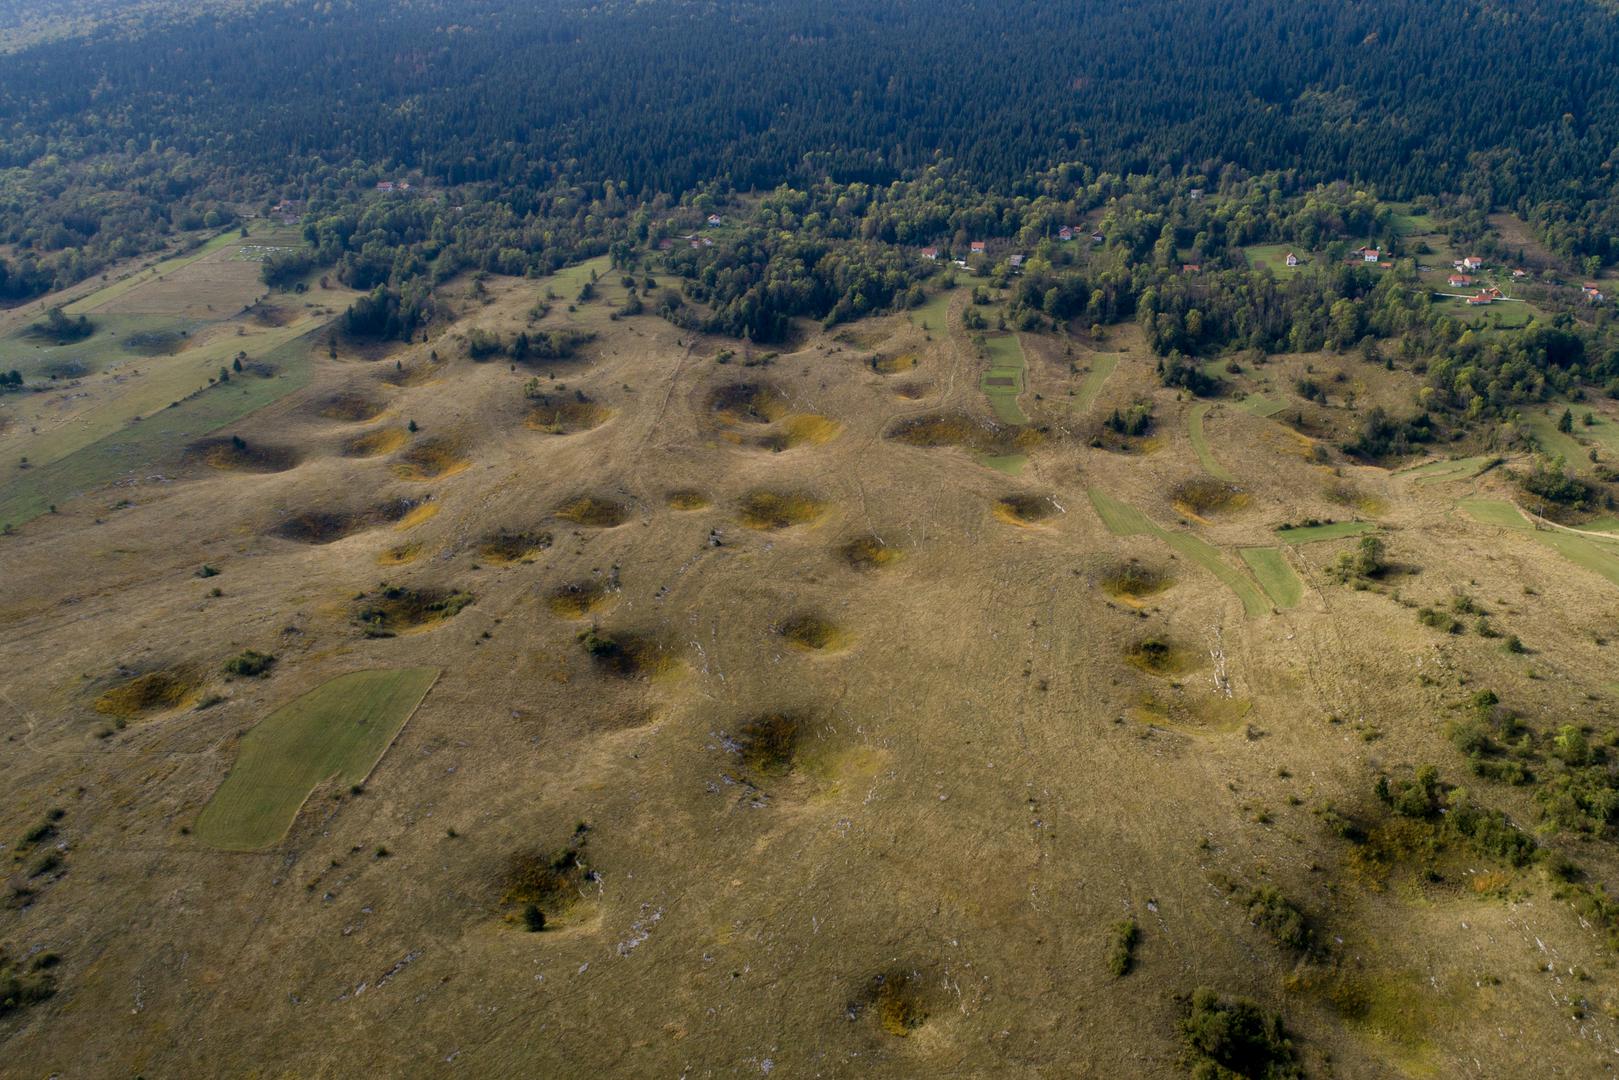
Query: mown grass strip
{"type": "Point", "coordinates": [1200, 444]}
{"type": "Point", "coordinates": [1275, 576]}
{"type": "Point", "coordinates": [338, 731]}
{"type": "Point", "coordinates": [1123, 519]}
{"type": "Point", "coordinates": [1090, 388]}
{"type": "Point", "coordinates": [1310, 534]}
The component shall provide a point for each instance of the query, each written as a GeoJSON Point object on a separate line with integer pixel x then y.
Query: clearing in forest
{"type": "Point", "coordinates": [1200, 444]}
{"type": "Point", "coordinates": [338, 731]}
{"type": "Point", "coordinates": [1275, 576]}
{"type": "Point", "coordinates": [1123, 519]}
{"type": "Point", "coordinates": [1275, 257]}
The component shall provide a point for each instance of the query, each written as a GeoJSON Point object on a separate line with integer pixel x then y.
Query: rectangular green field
{"type": "Point", "coordinates": [1122, 519]}
{"type": "Point", "coordinates": [1090, 388]}
{"type": "Point", "coordinates": [338, 731]}
{"type": "Point", "coordinates": [1003, 382]}
{"type": "Point", "coordinates": [1200, 444]}
{"type": "Point", "coordinates": [1275, 576]}
{"type": "Point", "coordinates": [157, 441]}
{"type": "Point", "coordinates": [1310, 534]}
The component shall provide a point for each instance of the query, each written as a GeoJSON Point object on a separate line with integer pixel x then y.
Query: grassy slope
{"type": "Point", "coordinates": [157, 440]}
{"type": "Point", "coordinates": [337, 731]}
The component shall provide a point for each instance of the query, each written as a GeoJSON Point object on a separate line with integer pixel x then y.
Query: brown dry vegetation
{"type": "Point", "coordinates": [905, 857]}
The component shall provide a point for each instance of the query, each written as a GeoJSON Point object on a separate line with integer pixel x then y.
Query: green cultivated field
{"type": "Point", "coordinates": [1091, 387]}
{"type": "Point", "coordinates": [156, 441]}
{"type": "Point", "coordinates": [1200, 444]}
{"type": "Point", "coordinates": [338, 731]}
{"type": "Point", "coordinates": [1003, 382]}
{"type": "Point", "coordinates": [1123, 519]}
{"type": "Point", "coordinates": [1336, 531]}
{"type": "Point", "coordinates": [1275, 576]}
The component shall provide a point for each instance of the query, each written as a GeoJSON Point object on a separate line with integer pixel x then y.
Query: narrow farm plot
{"type": "Point", "coordinates": [1200, 444]}
{"type": "Point", "coordinates": [1276, 577]}
{"type": "Point", "coordinates": [1090, 388]}
{"type": "Point", "coordinates": [1598, 556]}
{"type": "Point", "coordinates": [1123, 519]}
{"type": "Point", "coordinates": [1336, 530]}
{"type": "Point", "coordinates": [338, 731]}
{"type": "Point", "coordinates": [1003, 382]}
{"type": "Point", "coordinates": [72, 420]}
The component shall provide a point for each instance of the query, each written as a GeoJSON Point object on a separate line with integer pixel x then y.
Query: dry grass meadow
{"type": "Point", "coordinates": [822, 750]}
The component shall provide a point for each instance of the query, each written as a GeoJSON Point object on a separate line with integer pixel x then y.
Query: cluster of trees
{"type": "Point", "coordinates": [114, 139]}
